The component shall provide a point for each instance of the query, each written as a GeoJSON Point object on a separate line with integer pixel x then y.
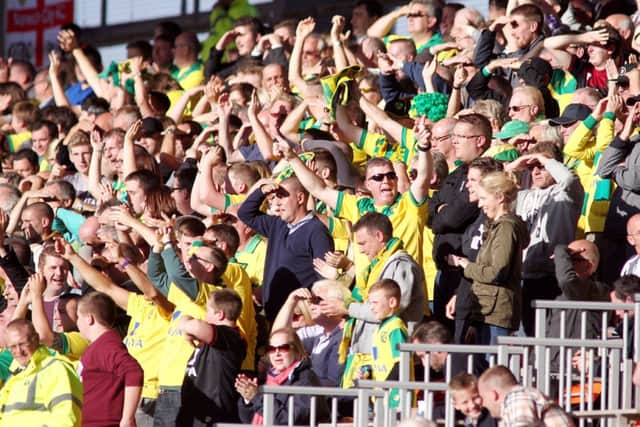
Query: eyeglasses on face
{"type": "Point", "coordinates": [417, 15]}
{"type": "Point", "coordinates": [379, 177]}
{"type": "Point", "coordinates": [283, 348]}
{"type": "Point", "coordinates": [458, 137]}
{"type": "Point", "coordinates": [441, 138]}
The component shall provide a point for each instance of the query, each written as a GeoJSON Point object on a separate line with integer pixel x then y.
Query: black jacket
{"type": "Point", "coordinates": [452, 220]}
{"type": "Point", "coordinates": [302, 375]}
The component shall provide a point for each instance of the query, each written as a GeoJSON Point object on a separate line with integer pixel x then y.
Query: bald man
{"type": "Point", "coordinates": [442, 140]}
{"type": "Point", "coordinates": [624, 26]}
{"type": "Point", "coordinates": [518, 405]}
{"type": "Point", "coordinates": [632, 266]}
{"type": "Point", "coordinates": [575, 266]}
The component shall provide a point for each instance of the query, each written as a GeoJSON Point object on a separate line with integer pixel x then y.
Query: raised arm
{"type": "Point", "coordinates": [309, 180]}
{"type": "Point", "coordinates": [304, 29]}
{"type": "Point", "coordinates": [69, 43]}
{"type": "Point", "coordinates": [339, 54]}
{"type": "Point", "coordinates": [382, 119]}
{"type": "Point", "coordinates": [196, 204]}
{"type": "Point", "coordinates": [37, 285]}
{"type": "Point", "coordinates": [558, 44]}
{"type": "Point", "coordinates": [459, 78]}
{"type": "Point", "coordinates": [128, 148]}
{"type": "Point", "coordinates": [385, 23]}
{"type": "Point", "coordinates": [177, 111]}
{"type": "Point", "coordinates": [223, 109]}
{"type": "Point", "coordinates": [291, 125]}
{"type": "Point", "coordinates": [139, 87]}
{"type": "Point", "coordinates": [95, 165]}
{"type": "Point", "coordinates": [263, 139]}
{"type": "Point", "coordinates": [96, 279]}
{"type": "Point", "coordinates": [142, 282]}
{"type": "Point", "coordinates": [210, 193]}
{"type": "Point", "coordinates": [54, 77]}
{"type": "Point", "coordinates": [420, 186]}
{"type": "Point", "coordinates": [352, 132]}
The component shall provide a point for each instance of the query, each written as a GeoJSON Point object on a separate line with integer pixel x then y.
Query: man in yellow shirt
{"type": "Point", "coordinates": [189, 71]}
{"type": "Point", "coordinates": [407, 211]}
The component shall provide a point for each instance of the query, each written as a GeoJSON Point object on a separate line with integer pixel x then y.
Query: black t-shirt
{"type": "Point", "coordinates": [208, 392]}
{"type": "Point", "coordinates": [471, 242]}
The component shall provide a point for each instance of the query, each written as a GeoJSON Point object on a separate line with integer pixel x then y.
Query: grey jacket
{"type": "Point", "coordinates": [626, 175]}
{"type": "Point", "coordinates": [551, 215]}
{"type": "Point", "coordinates": [402, 268]}
{"type": "Point", "coordinates": [619, 162]}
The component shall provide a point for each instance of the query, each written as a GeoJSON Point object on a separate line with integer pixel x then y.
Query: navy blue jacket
{"type": "Point", "coordinates": [289, 258]}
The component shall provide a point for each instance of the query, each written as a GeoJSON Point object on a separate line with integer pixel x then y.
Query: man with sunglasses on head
{"type": "Point", "coordinates": [294, 239]}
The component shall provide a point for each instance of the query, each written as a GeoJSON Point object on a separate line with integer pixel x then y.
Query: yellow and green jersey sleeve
{"type": "Point", "coordinates": [145, 340]}
{"type": "Point", "coordinates": [176, 350]}
{"type": "Point", "coordinates": [17, 140]}
{"type": "Point", "coordinates": [252, 258]}
{"type": "Point", "coordinates": [237, 279]}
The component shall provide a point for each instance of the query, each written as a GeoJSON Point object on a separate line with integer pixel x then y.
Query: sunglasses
{"type": "Point", "coordinates": [514, 24]}
{"type": "Point", "coordinates": [517, 108]}
{"type": "Point", "coordinates": [536, 165]}
{"type": "Point", "coordinates": [416, 15]}
{"type": "Point", "coordinates": [381, 176]}
{"type": "Point", "coordinates": [284, 348]}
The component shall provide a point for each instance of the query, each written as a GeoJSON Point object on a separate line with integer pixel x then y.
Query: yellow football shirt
{"type": "Point", "coordinates": [145, 340]}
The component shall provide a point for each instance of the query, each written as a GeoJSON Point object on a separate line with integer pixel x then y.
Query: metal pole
{"type": "Point", "coordinates": [103, 13]}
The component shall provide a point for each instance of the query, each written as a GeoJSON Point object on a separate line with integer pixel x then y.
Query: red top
{"type": "Point", "coordinates": [106, 368]}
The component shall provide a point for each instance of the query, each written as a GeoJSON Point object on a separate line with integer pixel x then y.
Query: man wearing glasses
{"type": "Point", "coordinates": [450, 211]}
{"type": "Point", "coordinates": [526, 104]}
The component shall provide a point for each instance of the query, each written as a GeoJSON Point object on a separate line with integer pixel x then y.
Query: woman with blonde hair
{"type": "Point", "coordinates": [496, 273]}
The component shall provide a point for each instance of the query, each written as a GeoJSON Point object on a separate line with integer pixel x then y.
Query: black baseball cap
{"type": "Point", "coordinates": [571, 114]}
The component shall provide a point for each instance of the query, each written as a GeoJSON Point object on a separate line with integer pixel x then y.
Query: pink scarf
{"type": "Point", "coordinates": [275, 378]}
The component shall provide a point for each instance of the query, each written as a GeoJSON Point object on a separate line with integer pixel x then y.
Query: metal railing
{"type": "Point", "coordinates": [603, 364]}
